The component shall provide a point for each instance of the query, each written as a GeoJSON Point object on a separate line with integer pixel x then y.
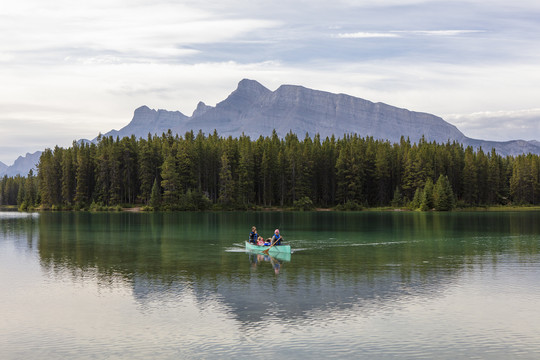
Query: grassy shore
{"type": "Point", "coordinates": [502, 208]}
{"type": "Point", "coordinates": [8, 208]}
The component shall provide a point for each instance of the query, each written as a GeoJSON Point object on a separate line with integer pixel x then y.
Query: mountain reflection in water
{"type": "Point", "coordinates": [367, 284]}
{"type": "Point", "coordinates": [360, 266]}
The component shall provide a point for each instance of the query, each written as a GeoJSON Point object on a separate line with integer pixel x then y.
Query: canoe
{"type": "Point", "coordinates": [276, 249]}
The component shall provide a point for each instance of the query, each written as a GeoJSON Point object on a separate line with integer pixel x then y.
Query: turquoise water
{"type": "Point", "coordinates": [373, 285]}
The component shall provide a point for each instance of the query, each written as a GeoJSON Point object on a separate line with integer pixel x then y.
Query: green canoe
{"type": "Point", "coordinates": [276, 249]}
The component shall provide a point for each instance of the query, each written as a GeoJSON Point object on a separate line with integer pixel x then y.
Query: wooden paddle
{"type": "Point", "coordinates": [267, 250]}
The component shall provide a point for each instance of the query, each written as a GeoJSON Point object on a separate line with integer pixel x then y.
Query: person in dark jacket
{"type": "Point", "coordinates": [253, 236]}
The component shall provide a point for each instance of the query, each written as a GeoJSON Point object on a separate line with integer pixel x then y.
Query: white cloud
{"type": "Point", "coordinates": [402, 33]}
{"type": "Point", "coordinates": [366, 35]}
{"type": "Point", "coordinates": [441, 32]}
{"type": "Point", "coordinates": [94, 31]}
{"type": "Point", "coordinates": [499, 125]}
{"type": "Point", "coordinates": [90, 64]}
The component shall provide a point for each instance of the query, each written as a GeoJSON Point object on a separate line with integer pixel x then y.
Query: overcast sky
{"type": "Point", "coordinates": [70, 69]}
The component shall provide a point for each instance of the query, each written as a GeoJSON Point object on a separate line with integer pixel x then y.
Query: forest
{"type": "Point", "coordinates": [202, 172]}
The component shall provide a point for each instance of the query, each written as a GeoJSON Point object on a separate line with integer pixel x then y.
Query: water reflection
{"type": "Point", "coordinates": [256, 259]}
{"type": "Point", "coordinates": [361, 283]}
{"type": "Point", "coordinates": [341, 260]}
{"type": "Point", "coordinates": [19, 229]}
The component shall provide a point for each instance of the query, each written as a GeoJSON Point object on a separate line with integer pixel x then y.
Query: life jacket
{"type": "Point", "coordinates": [277, 239]}
{"type": "Point", "coordinates": [253, 237]}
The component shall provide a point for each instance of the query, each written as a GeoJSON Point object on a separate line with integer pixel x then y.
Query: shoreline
{"type": "Point", "coordinates": [141, 209]}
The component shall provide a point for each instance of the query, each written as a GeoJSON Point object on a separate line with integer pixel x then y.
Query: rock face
{"type": "Point", "coordinates": [201, 109]}
{"type": "Point", "coordinates": [255, 110]}
{"type": "Point", "coordinates": [22, 165]}
{"type": "Point", "coordinates": [148, 121]}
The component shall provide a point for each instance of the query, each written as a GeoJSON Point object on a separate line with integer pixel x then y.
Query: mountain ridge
{"type": "Point", "coordinates": [22, 165]}
{"type": "Point", "coordinates": [254, 110]}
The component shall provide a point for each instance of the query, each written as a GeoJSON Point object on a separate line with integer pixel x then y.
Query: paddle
{"type": "Point", "coordinates": [267, 250]}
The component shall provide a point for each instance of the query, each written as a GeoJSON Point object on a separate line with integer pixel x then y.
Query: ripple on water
{"type": "Point", "coordinates": [17, 215]}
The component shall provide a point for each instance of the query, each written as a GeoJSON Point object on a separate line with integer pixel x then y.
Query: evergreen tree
{"type": "Point", "coordinates": [3, 184]}
{"type": "Point", "coordinates": [68, 176]}
{"type": "Point", "coordinates": [155, 197]}
{"type": "Point", "coordinates": [397, 200]}
{"type": "Point", "coordinates": [246, 173]}
{"type": "Point", "coordinates": [494, 179]}
{"type": "Point", "coordinates": [482, 170]}
{"type": "Point", "coordinates": [226, 197]}
{"type": "Point", "coordinates": [85, 176]}
{"type": "Point", "coordinates": [29, 195]}
{"type": "Point", "coordinates": [416, 202]}
{"type": "Point", "coordinates": [239, 172]}
{"type": "Point", "coordinates": [443, 197]}
{"type": "Point", "coordinates": [304, 175]}
{"type": "Point", "coordinates": [170, 182]}
{"type": "Point", "coordinates": [383, 173]}
{"type": "Point", "coordinates": [426, 202]}
{"type": "Point", "coordinates": [48, 179]}
{"type": "Point", "coordinates": [470, 178]}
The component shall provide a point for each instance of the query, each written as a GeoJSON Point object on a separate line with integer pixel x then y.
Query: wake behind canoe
{"type": "Point", "coordinates": [276, 249]}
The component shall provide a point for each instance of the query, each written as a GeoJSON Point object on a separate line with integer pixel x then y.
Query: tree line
{"type": "Point", "coordinates": [198, 172]}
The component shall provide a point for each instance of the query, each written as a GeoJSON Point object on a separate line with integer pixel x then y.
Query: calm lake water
{"type": "Point", "coordinates": [373, 285]}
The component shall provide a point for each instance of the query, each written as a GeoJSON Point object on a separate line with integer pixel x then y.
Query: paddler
{"type": "Point", "coordinates": [276, 239]}
{"type": "Point", "coordinates": [253, 236]}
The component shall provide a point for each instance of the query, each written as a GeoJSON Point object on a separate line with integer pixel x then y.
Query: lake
{"type": "Point", "coordinates": [371, 285]}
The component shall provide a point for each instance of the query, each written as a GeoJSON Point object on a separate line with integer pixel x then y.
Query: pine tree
{"type": "Point", "coordinates": [426, 202]}
{"type": "Point", "coordinates": [397, 200]}
{"type": "Point", "coordinates": [417, 200]}
{"type": "Point", "coordinates": [494, 179]}
{"type": "Point", "coordinates": [85, 176]}
{"type": "Point", "coordinates": [226, 183]}
{"type": "Point", "coordinates": [443, 197]}
{"type": "Point", "coordinates": [246, 174]}
{"type": "Point", "coordinates": [470, 178]}
{"type": "Point", "coordinates": [482, 170]}
{"type": "Point", "coordinates": [155, 197]}
{"type": "Point", "coordinates": [383, 173]}
{"type": "Point", "coordinates": [170, 183]}
{"type": "Point", "coordinates": [68, 176]}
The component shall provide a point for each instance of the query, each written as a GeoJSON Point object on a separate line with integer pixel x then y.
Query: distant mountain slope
{"type": "Point", "coordinates": [3, 167]}
{"type": "Point", "coordinates": [146, 120]}
{"type": "Point", "coordinates": [22, 165]}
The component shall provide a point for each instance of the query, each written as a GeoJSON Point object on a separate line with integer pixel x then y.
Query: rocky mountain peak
{"type": "Point", "coordinates": [201, 109]}
{"type": "Point", "coordinates": [246, 94]}
{"type": "Point", "coordinates": [252, 86]}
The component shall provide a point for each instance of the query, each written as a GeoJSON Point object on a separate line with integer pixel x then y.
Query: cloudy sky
{"type": "Point", "coordinates": [70, 69]}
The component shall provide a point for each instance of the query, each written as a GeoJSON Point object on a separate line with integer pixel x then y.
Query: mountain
{"type": "Point", "coordinates": [3, 167]}
{"type": "Point", "coordinates": [22, 165]}
{"type": "Point", "coordinates": [146, 120]}
{"type": "Point", "coordinates": [254, 110]}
